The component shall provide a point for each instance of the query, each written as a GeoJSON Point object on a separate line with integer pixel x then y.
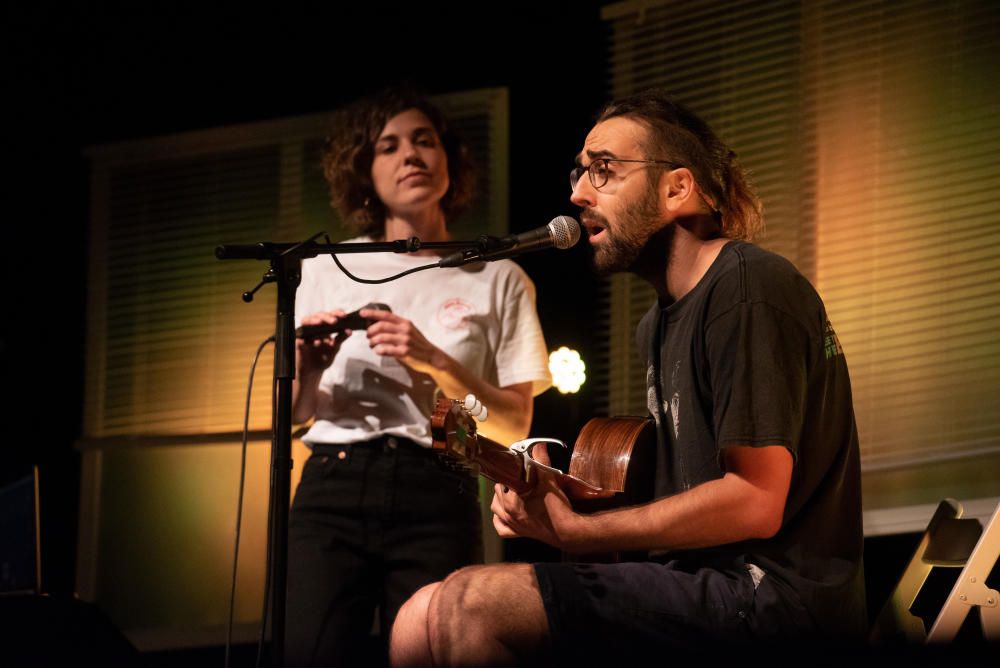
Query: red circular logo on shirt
{"type": "Point", "coordinates": [453, 313]}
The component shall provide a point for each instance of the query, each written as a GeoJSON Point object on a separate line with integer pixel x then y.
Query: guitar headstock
{"type": "Point", "coordinates": [453, 429]}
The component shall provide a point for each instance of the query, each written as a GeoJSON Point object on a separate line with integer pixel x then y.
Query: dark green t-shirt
{"type": "Point", "coordinates": [748, 357]}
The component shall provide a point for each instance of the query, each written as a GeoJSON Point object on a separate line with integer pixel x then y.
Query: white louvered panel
{"type": "Point", "coordinates": [908, 228]}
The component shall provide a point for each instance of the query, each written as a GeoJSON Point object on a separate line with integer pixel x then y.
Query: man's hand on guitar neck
{"type": "Point", "coordinates": [544, 514]}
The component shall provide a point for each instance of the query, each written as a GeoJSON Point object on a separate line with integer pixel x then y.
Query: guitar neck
{"type": "Point", "coordinates": [498, 463]}
{"type": "Point", "coordinates": [454, 433]}
{"type": "Point", "coordinates": [503, 465]}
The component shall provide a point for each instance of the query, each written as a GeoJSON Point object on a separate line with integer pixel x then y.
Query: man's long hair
{"type": "Point", "coordinates": [677, 135]}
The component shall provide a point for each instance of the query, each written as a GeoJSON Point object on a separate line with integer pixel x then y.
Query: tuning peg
{"type": "Point", "coordinates": [475, 407]}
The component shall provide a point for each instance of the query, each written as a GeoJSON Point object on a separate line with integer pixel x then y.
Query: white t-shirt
{"type": "Point", "coordinates": [483, 315]}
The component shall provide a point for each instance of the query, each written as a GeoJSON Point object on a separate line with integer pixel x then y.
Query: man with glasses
{"type": "Point", "coordinates": [755, 531]}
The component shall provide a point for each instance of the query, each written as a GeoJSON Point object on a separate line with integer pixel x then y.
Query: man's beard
{"type": "Point", "coordinates": [630, 246]}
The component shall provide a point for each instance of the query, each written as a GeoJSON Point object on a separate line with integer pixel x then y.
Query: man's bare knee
{"type": "Point", "coordinates": [409, 644]}
{"type": "Point", "coordinates": [488, 615]}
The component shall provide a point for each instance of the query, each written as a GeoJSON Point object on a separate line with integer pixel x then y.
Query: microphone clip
{"type": "Point", "coordinates": [486, 246]}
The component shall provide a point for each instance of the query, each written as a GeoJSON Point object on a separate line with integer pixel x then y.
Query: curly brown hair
{"type": "Point", "coordinates": [350, 150]}
{"type": "Point", "coordinates": [678, 135]}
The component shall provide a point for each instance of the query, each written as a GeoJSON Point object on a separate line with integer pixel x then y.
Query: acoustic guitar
{"type": "Point", "coordinates": [611, 465]}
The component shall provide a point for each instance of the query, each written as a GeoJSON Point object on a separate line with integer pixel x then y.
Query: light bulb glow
{"type": "Point", "coordinates": [568, 370]}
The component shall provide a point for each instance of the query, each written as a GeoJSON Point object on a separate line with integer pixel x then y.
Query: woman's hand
{"type": "Point", "coordinates": [317, 354]}
{"type": "Point", "coordinates": [395, 336]}
{"type": "Point", "coordinates": [312, 357]}
{"type": "Point", "coordinates": [510, 406]}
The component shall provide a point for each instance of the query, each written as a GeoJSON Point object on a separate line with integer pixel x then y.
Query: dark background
{"type": "Point", "coordinates": [97, 73]}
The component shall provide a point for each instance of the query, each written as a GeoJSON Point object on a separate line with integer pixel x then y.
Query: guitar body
{"type": "Point", "coordinates": [617, 454]}
{"type": "Point", "coordinates": [612, 465]}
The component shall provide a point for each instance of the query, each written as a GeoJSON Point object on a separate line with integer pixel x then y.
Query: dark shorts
{"type": "Point", "coordinates": [635, 613]}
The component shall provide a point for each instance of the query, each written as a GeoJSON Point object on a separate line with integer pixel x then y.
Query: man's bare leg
{"type": "Point", "coordinates": [409, 643]}
{"type": "Point", "coordinates": [478, 616]}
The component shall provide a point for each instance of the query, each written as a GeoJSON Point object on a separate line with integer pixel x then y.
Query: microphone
{"type": "Point", "coordinates": [562, 232]}
{"type": "Point", "coordinates": [352, 320]}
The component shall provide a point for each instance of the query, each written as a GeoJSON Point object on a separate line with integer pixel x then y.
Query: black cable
{"type": "Point", "coordinates": [373, 281]}
{"type": "Point", "coordinates": [239, 503]}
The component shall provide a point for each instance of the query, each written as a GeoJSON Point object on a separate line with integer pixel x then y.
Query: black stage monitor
{"type": "Point", "coordinates": [20, 565]}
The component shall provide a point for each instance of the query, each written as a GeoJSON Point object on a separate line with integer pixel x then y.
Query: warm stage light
{"type": "Point", "coordinates": [567, 370]}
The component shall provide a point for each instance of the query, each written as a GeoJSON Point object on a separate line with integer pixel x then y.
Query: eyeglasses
{"type": "Point", "coordinates": [599, 173]}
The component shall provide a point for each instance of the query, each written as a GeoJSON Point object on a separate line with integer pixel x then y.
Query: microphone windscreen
{"type": "Point", "coordinates": [565, 232]}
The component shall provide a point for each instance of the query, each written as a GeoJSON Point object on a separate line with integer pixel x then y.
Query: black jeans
{"type": "Point", "coordinates": [371, 523]}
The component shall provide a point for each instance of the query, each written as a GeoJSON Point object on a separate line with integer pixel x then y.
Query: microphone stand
{"type": "Point", "coordinates": [286, 273]}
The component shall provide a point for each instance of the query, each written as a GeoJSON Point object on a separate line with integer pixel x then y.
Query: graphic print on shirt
{"type": "Point", "coordinates": [831, 344]}
{"type": "Point", "coordinates": [454, 312]}
{"type": "Point", "coordinates": [651, 401]}
{"type": "Point", "coordinates": [675, 400]}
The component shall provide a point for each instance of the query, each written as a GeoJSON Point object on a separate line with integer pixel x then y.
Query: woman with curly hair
{"type": "Point", "coordinates": [376, 515]}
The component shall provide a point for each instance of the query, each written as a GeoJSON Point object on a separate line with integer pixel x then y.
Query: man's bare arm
{"type": "Point", "coordinates": [747, 502]}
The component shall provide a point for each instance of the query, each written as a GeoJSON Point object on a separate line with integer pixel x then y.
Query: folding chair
{"type": "Point", "coordinates": [950, 541]}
